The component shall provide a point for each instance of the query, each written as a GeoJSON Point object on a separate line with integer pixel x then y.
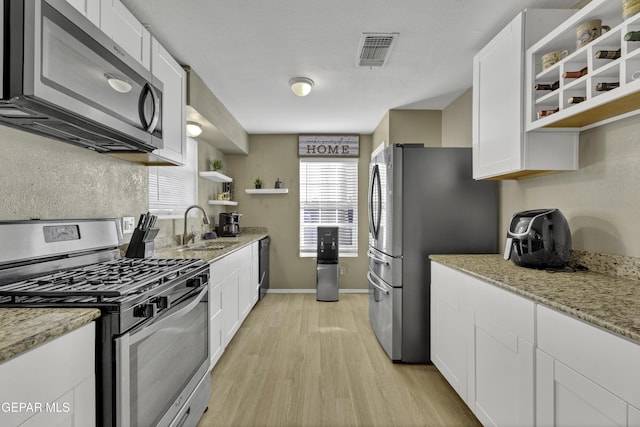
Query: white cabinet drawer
{"type": "Point", "coordinates": [607, 359]}
{"type": "Point", "coordinates": [506, 314]}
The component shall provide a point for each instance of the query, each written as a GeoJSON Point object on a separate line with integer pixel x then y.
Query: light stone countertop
{"type": "Point", "coordinates": [246, 237]}
{"type": "Point", "coordinates": [22, 329]}
{"type": "Point", "coordinates": [612, 303]}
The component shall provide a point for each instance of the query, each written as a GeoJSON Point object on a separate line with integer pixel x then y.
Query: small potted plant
{"type": "Point", "coordinates": [258, 183]}
{"type": "Point", "coordinates": [216, 165]}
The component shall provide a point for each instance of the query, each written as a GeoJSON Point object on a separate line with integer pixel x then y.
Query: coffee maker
{"type": "Point", "coordinates": [228, 224]}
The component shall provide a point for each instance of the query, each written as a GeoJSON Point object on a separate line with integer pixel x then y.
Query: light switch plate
{"type": "Point", "coordinates": [128, 224]}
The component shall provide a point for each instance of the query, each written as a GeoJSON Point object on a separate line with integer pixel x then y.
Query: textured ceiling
{"type": "Point", "coordinates": [247, 50]}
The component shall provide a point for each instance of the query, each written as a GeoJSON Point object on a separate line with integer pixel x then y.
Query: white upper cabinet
{"type": "Point", "coordinates": [174, 81]}
{"type": "Point", "coordinates": [125, 29]}
{"type": "Point", "coordinates": [501, 148]}
{"type": "Point", "coordinates": [89, 8]}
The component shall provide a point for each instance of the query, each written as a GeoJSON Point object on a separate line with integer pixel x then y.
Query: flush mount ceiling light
{"type": "Point", "coordinates": [117, 84]}
{"type": "Point", "coordinates": [301, 86]}
{"type": "Point", "coordinates": [193, 129]}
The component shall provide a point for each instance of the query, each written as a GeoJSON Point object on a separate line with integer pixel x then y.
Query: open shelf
{"type": "Point", "coordinates": [599, 105]}
{"type": "Point", "coordinates": [215, 176]}
{"type": "Point", "coordinates": [267, 190]}
{"type": "Point", "coordinates": [223, 202]}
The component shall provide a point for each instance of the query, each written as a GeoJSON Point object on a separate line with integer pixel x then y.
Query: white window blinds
{"type": "Point", "coordinates": [329, 197]}
{"type": "Point", "coordinates": [173, 188]}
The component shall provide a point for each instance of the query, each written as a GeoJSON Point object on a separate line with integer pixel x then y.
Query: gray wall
{"type": "Point", "coordinates": [601, 200]}
{"type": "Point", "coordinates": [47, 179]}
{"type": "Point", "coordinates": [44, 178]}
{"type": "Point", "coordinates": [276, 156]}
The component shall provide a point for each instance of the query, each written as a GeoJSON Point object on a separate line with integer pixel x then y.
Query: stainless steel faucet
{"type": "Point", "coordinates": [191, 236]}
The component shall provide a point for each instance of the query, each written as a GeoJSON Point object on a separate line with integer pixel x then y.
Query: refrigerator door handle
{"type": "Point", "coordinates": [374, 223]}
{"type": "Point", "coordinates": [375, 285]}
{"type": "Point", "coordinates": [377, 260]}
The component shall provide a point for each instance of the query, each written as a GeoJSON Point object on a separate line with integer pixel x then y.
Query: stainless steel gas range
{"type": "Point", "coordinates": [152, 340]}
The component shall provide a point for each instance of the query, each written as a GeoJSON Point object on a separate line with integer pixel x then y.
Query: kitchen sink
{"type": "Point", "coordinates": [208, 246]}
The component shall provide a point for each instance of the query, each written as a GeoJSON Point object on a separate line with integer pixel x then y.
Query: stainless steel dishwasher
{"type": "Point", "coordinates": [264, 265]}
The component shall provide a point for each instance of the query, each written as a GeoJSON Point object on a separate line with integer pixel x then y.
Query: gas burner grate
{"type": "Point", "coordinates": [111, 279]}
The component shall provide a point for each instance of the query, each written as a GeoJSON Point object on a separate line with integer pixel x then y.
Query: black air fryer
{"type": "Point", "coordinates": [539, 238]}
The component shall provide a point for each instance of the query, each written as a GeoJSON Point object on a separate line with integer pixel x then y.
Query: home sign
{"type": "Point", "coordinates": [328, 146]}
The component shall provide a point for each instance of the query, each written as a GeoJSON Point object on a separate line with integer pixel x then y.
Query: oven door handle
{"type": "Point", "coordinates": [155, 327]}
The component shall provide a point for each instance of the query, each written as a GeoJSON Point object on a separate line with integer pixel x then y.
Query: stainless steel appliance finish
{"type": "Point", "coordinates": [152, 339]}
{"type": "Point", "coordinates": [327, 272]}
{"type": "Point", "coordinates": [55, 81]}
{"type": "Point", "coordinates": [264, 245]}
{"type": "Point", "coordinates": [422, 201]}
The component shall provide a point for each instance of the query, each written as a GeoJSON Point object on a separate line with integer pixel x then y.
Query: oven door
{"type": "Point", "coordinates": [159, 366]}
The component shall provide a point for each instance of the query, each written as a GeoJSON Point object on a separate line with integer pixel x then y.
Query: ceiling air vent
{"type": "Point", "coordinates": [375, 48]}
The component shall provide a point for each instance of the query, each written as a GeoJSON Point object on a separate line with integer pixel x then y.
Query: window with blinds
{"type": "Point", "coordinates": [328, 197]}
{"type": "Point", "coordinates": [173, 188]}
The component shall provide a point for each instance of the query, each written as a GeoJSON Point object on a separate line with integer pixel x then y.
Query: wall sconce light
{"type": "Point", "coordinates": [193, 129]}
{"type": "Point", "coordinates": [301, 86]}
{"type": "Point", "coordinates": [117, 84]}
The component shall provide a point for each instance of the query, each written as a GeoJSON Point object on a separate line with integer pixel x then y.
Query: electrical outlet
{"type": "Point", "coordinates": [128, 224]}
{"type": "Point", "coordinates": [342, 271]}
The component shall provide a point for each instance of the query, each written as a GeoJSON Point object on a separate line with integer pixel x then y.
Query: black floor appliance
{"type": "Point", "coordinates": [264, 265]}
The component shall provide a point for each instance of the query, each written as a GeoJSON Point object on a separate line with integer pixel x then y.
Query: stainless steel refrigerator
{"type": "Point", "coordinates": [422, 201]}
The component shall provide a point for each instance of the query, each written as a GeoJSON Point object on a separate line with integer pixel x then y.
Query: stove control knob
{"type": "Point", "coordinates": [161, 302]}
{"type": "Point", "coordinates": [145, 310]}
{"type": "Point", "coordinates": [195, 282]}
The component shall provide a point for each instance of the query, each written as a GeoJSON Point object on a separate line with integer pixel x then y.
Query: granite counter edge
{"type": "Point", "coordinates": [22, 329]}
{"type": "Point", "coordinates": [446, 260]}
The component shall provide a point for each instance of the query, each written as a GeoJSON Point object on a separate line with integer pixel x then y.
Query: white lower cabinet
{"type": "Point", "coordinates": [216, 336]}
{"type": "Point", "coordinates": [585, 376]}
{"type": "Point", "coordinates": [501, 387]}
{"type": "Point", "coordinates": [526, 364]}
{"type": "Point", "coordinates": [482, 341]}
{"type": "Point", "coordinates": [231, 287]}
{"type": "Point", "coordinates": [450, 320]}
{"type": "Point", "coordinates": [230, 305]}
{"type": "Point", "coordinates": [53, 384]}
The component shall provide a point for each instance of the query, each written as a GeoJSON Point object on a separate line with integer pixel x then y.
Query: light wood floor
{"type": "Point", "coordinates": [300, 362]}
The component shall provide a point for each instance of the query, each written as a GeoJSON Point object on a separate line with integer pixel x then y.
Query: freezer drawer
{"type": "Point", "coordinates": [385, 315]}
{"type": "Point", "coordinates": [387, 268]}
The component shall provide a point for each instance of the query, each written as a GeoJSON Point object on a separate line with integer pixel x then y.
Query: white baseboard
{"type": "Point", "coordinates": [313, 291]}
